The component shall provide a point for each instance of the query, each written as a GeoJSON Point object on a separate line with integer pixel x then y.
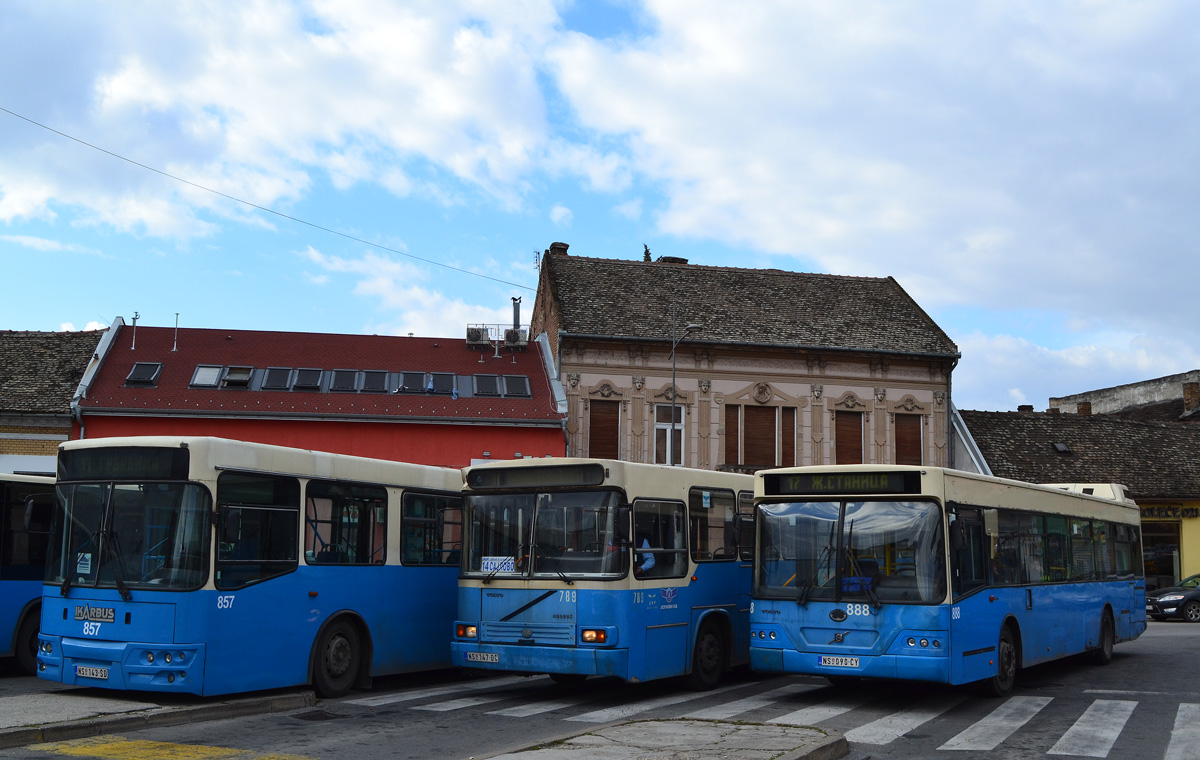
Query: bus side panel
{"type": "Point", "coordinates": [974, 633]}
{"type": "Point", "coordinates": [15, 596]}
{"type": "Point", "coordinates": [411, 618]}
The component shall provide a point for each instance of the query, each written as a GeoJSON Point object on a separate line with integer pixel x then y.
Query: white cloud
{"type": "Point", "coordinates": [89, 327]}
{"type": "Point", "coordinates": [561, 215]}
{"type": "Point", "coordinates": [631, 210]}
{"type": "Point", "coordinates": [47, 245]}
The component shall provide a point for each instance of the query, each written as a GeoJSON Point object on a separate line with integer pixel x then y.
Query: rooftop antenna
{"type": "Point", "coordinates": [175, 344]}
{"type": "Point", "coordinates": [133, 344]}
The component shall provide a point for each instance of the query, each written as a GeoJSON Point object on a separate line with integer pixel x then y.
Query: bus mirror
{"type": "Point", "coordinates": [232, 527]}
{"type": "Point", "coordinates": [623, 536]}
{"type": "Point", "coordinates": [958, 540]}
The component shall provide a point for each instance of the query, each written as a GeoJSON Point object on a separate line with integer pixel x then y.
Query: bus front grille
{"type": "Point", "coordinates": [559, 634]}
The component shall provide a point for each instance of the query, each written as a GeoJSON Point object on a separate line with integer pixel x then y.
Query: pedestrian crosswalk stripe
{"type": "Point", "coordinates": [811, 716]}
{"type": "Point", "coordinates": [1185, 737]}
{"type": "Point", "coordinates": [890, 727]}
{"type": "Point", "coordinates": [765, 699]}
{"type": "Point", "coordinates": [625, 711]}
{"type": "Point", "coordinates": [437, 691]}
{"type": "Point", "coordinates": [1000, 724]}
{"type": "Point", "coordinates": [1096, 730]}
{"type": "Point", "coordinates": [458, 704]}
{"type": "Point", "coordinates": [536, 708]}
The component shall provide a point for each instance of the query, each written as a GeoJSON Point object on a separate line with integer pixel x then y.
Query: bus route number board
{"type": "Point", "coordinates": [483, 657]}
{"type": "Point", "coordinates": [84, 671]}
{"type": "Point", "coordinates": [839, 662]}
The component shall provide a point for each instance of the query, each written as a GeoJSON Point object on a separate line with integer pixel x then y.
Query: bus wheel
{"type": "Point", "coordinates": [1191, 611]}
{"type": "Point", "coordinates": [1001, 684]}
{"type": "Point", "coordinates": [1102, 654]}
{"type": "Point", "coordinates": [25, 646]}
{"type": "Point", "coordinates": [338, 655]}
{"type": "Point", "coordinates": [708, 659]}
{"type": "Point", "coordinates": [568, 679]}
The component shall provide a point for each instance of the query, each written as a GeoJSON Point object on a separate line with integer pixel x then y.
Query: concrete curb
{"type": "Point", "coordinates": [153, 718]}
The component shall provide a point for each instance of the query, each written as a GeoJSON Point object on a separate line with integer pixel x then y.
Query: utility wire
{"type": "Point", "coordinates": [262, 208]}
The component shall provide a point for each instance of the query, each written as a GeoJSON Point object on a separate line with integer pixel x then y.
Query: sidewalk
{"type": "Point", "coordinates": [36, 711]}
{"type": "Point", "coordinates": [690, 740]}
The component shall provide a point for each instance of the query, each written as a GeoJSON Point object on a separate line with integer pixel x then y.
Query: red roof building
{"type": "Point", "coordinates": [436, 401]}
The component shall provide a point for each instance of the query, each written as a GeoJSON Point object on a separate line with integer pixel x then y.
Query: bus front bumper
{"type": "Point", "coordinates": [586, 661]}
{"type": "Point", "coordinates": [908, 667]}
{"type": "Point", "coordinates": [121, 665]}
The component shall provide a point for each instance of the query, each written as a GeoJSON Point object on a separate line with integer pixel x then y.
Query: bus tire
{"type": "Point", "coordinates": [1191, 611]}
{"type": "Point", "coordinates": [708, 659]}
{"type": "Point", "coordinates": [338, 656]}
{"type": "Point", "coordinates": [1102, 654]}
{"type": "Point", "coordinates": [1001, 684]}
{"type": "Point", "coordinates": [569, 680]}
{"type": "Point", "coordinates": [26, 642]}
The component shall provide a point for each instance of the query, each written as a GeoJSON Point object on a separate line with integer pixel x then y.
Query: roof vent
{"type": "Point", "coordinates": [559, 249]}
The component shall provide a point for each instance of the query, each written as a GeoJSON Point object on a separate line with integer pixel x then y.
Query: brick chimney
{"type": "Point", "coordinates": [1025, 408]}
{"type": "Point", "coordinates": [1191, 397]}
{"type": "Point", "coordinates": [1084, 408]}
{"type": "Point", "coordinates": [1053, 410]}
{"type": "Point", "coordinates": [558, 249]}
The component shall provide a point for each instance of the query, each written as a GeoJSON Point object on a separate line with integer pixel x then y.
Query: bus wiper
{"type": "Point", "coordinates": [802, 597]}
{"type": "Point", "coordinates": [500, 567]}
{"type": "Point", "coordinates": [115, 553]}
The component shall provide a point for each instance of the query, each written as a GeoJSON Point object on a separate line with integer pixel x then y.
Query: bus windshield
{"type": "Point", "coordinates": [872, 551]}
{"type": "Point", "coordinates": [554, 534]}
{"type": "Point", "coordinates": [130, 535]}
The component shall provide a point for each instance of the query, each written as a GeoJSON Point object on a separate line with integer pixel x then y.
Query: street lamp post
{"type": "Point", "coordinates": [671, 456]}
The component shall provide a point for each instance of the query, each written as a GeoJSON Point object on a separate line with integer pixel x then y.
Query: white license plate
{"type": "Point", "coordinates": [1149, 608]}
{"type": "Point", "coordinates": [483, 657]}
{"type": "Point", "coordinates": [86, 672]}
{"type": "Point", "coordinates": [839, 662]}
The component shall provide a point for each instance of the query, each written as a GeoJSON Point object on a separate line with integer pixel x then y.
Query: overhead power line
{"type": "Point", "coordinates": [280, 214]}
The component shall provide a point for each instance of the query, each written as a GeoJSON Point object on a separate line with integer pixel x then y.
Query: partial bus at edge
{"type": "Point", "coordinates": [210, 566]}
{"type": "Point", "coordinates": [578, 568]}
{"type": "Point", "coordinates": [937, 575]}
{"type": "Point", "coordinates": [26, 503]}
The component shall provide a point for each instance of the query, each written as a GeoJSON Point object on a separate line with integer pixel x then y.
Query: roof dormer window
{"type": "Point", "coordinates": [144, 374]}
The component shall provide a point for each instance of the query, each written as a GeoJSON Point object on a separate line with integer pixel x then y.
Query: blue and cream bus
{"type": "Point", "coordinates": [938, 575]}
{"type": "Point", "coordinates": [26, 503]}
{"type": "Point", "coordinates": [211, 566]}
{"type": "Point", "coordinates": [578, 568]}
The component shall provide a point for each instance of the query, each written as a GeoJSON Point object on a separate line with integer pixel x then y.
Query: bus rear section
{"type": "Point", "coordinates": [925, 574]}
{"type": "Point", "coordinates": [208, 567]}
{"type": "Point", "coordinates": [581, 568]}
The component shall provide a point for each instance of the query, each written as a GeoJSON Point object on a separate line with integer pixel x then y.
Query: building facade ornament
{"type": "Point", "coordinates": [763, 393]}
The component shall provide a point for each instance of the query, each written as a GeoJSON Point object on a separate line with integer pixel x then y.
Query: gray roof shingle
{"type": "Point", "coordinates": [632, 299]}
{"type": "Point", "coordinates": [39, 371]}
{"type": "Point", "coordinates": [1154, 460]}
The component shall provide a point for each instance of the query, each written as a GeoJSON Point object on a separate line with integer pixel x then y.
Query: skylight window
{"type": "Point", "coordinates": [344, 380]}
{"type": "Point", "coordinates": [516, 385]}
{"type": "Point", "coordinates": [206, 376]}
{"type": "Point", "coordinates": [443, 382]}
{"type": "Point", "coordinates": [238, 377]}
{"type": "Point", "coordinates": [277, 378]}
{"type": "Point", "coordinates": [412, 382]}
{"type": "Point", "coordinates": [374, 381]}
{"type": "Point", "coordinates": [1062, 448]}
{"type": "Point", "coordinates": [487, 385]}
{"type": "Point", "coordinates": [143, 373]}
{"type": "Point", "coordinates": [307, 380]}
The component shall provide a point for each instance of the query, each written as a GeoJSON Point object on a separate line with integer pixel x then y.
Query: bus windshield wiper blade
{"type": "Point", "coordinates": [118, 556]}
{"type": "Point", "coordinates": [802, 597]}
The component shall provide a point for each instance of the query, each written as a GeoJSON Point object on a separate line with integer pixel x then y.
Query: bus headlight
{"type": "Point", "coordinates": [464, 631]}
{"type": "Point", "coordinates": [150, 657]}
{"type": "Point", "coordinates": [167, 658]}
{"type": "Point", "coordinates": [594, 636]}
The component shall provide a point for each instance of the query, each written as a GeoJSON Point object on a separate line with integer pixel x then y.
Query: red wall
{"type": "Point", "coordinates": [445, 445]}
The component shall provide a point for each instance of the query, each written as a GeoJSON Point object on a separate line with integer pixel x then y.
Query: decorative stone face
{"type": "Point", "coordinates": [880, 394]}
{"type": "Point", "coordinates": [939, 397]}
{"type": "Point", "coordinates": [639, 381]}
{"type": "Point", "coordinates": [817, 390]}
{"type": "Point", "coordinates": [573, 379]}
{"type": "Point", "coordinates": [763, 393]}
{"type": "Point", "coordinates": [705, 384]}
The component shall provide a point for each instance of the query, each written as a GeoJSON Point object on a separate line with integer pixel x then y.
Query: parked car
{"type": "Point", "coordinates": [1179, 601]}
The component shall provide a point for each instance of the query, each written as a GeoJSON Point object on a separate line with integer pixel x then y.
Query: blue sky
{"type": "Point", "coordinates": [1026, 170]}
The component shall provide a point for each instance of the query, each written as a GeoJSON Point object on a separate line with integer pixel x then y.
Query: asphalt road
{"type": "Point", "coordinates": [1127, 711]}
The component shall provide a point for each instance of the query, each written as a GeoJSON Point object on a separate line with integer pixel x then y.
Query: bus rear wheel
{"type": "Point", "coordinates": [1102, 654]}
{"type": "Point", "coordinates": [708, 659]}
{"type": "Point", "coordinates": [25, 646]}
{"type": "Point", "coordinates": [1001, 684]}
{"type": "Point", "coordinates": [338, 656]}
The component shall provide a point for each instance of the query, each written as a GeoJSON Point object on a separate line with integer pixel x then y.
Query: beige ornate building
{"type": "Point", "coordinates": [781, 368]}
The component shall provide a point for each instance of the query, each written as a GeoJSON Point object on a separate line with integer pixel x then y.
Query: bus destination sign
{"type": "Point", "coordinates": [842, 483]}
